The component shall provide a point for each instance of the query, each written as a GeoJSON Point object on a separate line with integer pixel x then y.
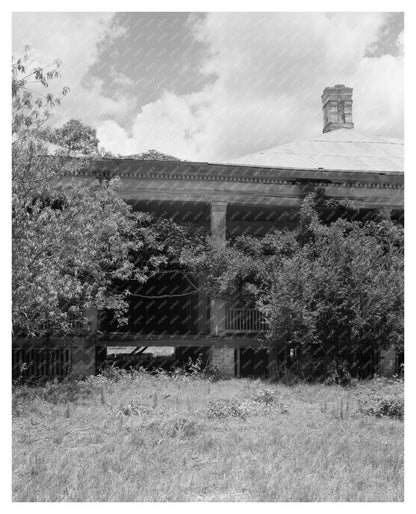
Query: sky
{"type": "Point", "coordinates": [216, 86]}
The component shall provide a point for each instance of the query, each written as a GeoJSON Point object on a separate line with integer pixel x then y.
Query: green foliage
{"type": "Point", "coordinates": [151, 155]}
{"type": "Point", "coordinates": [341, 290]}
{"type": "Point", "coordinates": [223, 408]}
{"type": "Point", "coordinates": [55, 392]}
{"type": "Point", "coordinates": [31, 105]}
{"type": "Point", "coordinates": [266, 396]}
{"type": "Point", "coordinates": [392, 407]}
{"type": "Point", "coordinates": [262, 402]}
{"type": "Point", "coordinates": [333, 291]}
{"type": "Point", "coordinates": [387, 401]}
{"type": "Point", "coordinates": [71, 241]}
{"type": "Point", "coordinates": [273, 456]}
{"type": "Point", "coordinates": [175, 426]}
{"type": "Point", "coordinates": [73, 138]}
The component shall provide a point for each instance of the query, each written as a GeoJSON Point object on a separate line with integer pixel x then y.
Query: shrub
{"type": "Point", "coordinates": [22, 396]}
{"type": "Point", "coordinates": [263, 401]}
{"type": "Point", "coordinates": [68, 391]}
{"type": "Point", "coordinates": [181, 427]}
{"type": "Point", "coordinates": [265, 396]}
{"type": "Point", "coordinates": [331, 290]}
{"type": "Point", "coordinates": [391, 406]}
{"type": "Point", "coordinates": [224, 408]}
{"type": "Point", "coordinates": [338, 375]}
{"type": "Point", "coordinates": [130, 409]}
{"type": "Point", "coordinates": [214, 374]}
{"type": "Point", "coordinates": [175, 427]}
{"type": "Point", "coordinates": [114, 374]}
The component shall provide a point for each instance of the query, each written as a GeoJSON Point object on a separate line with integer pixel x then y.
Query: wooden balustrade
{"type": "Point", "coordinates": [40, 363]}
{"type": "Point", "coordinates": [244, 320]}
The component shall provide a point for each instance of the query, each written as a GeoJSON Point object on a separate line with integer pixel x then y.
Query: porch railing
{"type": "Point", "coordinates": [244, 320]}
{"type": "Point", "coordinates": [40, 363]}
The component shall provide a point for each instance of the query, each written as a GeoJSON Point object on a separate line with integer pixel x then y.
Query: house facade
{"type": "Point", "coordinates": [250, 195]}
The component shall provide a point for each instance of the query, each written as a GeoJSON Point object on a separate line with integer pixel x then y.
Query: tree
{"type": "Point", "coordinates": [151, 155]}
{"type": "Point", "coordinates": [339, 297]}
{"type": "Point", "coordinates": [74, 138]}
{"type": "Point", "coordinates": [31, 106]}
{"type": "Point", "coordinates": [331, 293]}
{"type": "Point", "coordinates": [70, 241]}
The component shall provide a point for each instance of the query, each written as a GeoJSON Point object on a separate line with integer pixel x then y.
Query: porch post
{"type": "Point", "coordinates": [84, 349]}
{"type": "Point", "coordinates": [273, 363]}
{"type": "Point", "coordinates": [387, 366]}
{"type": "Point", "coordinates": [91, 315]}
{"type": "Point", "coordinates": [222, 357]}
{"type": "Point", "coordinates": [202, 307]}
{"type": "Point", "coordinates": [218, 222]}
{"type": "Point", "coordinates": [218, 233]}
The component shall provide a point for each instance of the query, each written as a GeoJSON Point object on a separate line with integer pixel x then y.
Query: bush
{"type": "Point", "coordinates": [264, 401]}
{"type": "Point", "coordinates": [213, 374]}
{"type": "Point", "coordinates": [68, 391]}
{"type": "Point", "coordinates": [340, 376]}
{"type": "Point", "coordinates": [331, 290]}
{"type": "Point", "coordinates": [114, 374]}
{"type": "Point", "coordinates": [22, 395]}
{"type": "Point", "coordinates": [224, 408]}
{"type": "Point", "coordinates": [175, 427]}
{"type": "Point", "coordinates": [265, 396]}
{"type": "Point", "coordinates": [391, 406]}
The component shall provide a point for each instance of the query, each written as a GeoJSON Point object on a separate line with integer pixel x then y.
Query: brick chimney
{"type": "Point", "coordinates": [337, 107]}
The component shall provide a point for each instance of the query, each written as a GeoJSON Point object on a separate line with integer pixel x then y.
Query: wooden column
{"type": "Point", "coordinates": [202, 307]}
{"type": "Point", "coordinates": [218, 233]}
{"type": "Point", "coordinates": [92, 319]}
{"type": "Point", "coordinates": [218, 222]}
{"type": "Point", "coordinates": [387, 366]}
{"type": "Point", "coordinates": [84, 349]}
{"type": "Point", "coordinates": [273, 363]}
{"type": "Point", "coordinates": [238, 362]}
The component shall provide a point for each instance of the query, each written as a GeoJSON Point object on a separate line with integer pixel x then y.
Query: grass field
{"type": "Point", "coordinates": [158, 438]}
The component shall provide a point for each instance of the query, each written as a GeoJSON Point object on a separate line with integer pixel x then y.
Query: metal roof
{"type": "Point", "coordinates": [342, 149]}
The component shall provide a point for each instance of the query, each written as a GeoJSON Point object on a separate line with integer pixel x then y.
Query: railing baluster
{"type": "Point", "coordinates": [244, 320]}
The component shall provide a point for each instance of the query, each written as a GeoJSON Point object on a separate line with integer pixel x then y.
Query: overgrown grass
{"type": "Point", "coordinates": [161, 438]}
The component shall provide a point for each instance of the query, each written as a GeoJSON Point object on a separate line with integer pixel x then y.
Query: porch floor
{"type": "Point", "coordinates": [200, 340]}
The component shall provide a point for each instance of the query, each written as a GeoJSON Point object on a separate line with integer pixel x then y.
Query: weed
{"type": "Point", "coordinates": [175, 427]}
{"type": "Point", "coordinates": [266, 396]}
{"type": "Point", "coordinates": [194, 367]}
{"type": "Point", "coordinates": [341, 409]}
{"type": "Point", "coordinates": [339, 375]}
{"type": "Point", "coordinates": [169, 454]}
{"type": "Point", "coordinates": [224, 408]}
{"type": "Point", "coordinates": [133, 408]}
{"type": "Point", "coordinates": [392, 407]}
{"type": "Point", "coordinates": [383, 397]}
{"type": "Point", "coordinates": [68, 391]}
{"type": "Point", "coordinates": [102, 396]}
{"type": "Point", "coordinates": [114, 374]}
{"type": "Point", "coordinates": [137, 438]}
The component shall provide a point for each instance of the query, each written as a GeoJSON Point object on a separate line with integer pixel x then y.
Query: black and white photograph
{"type": "Point", "coordinates": [207, 256]}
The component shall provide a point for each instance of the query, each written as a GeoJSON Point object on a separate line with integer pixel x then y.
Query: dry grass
{"type": "Point", "coordinates": [163, 439]}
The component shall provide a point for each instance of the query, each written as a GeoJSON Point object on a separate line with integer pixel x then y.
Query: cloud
{"type": "Point", "coordinates": [172, 124]}
{"type": "Point", "coordinates": [74, 38]}
{"type": "Point", "coordinates": [264, 74]}
{"type": "Point", "coordinates": [270, 70]}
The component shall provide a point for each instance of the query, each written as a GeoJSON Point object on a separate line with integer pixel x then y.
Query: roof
{"type": "Point", "coordinates": [342, 149]}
